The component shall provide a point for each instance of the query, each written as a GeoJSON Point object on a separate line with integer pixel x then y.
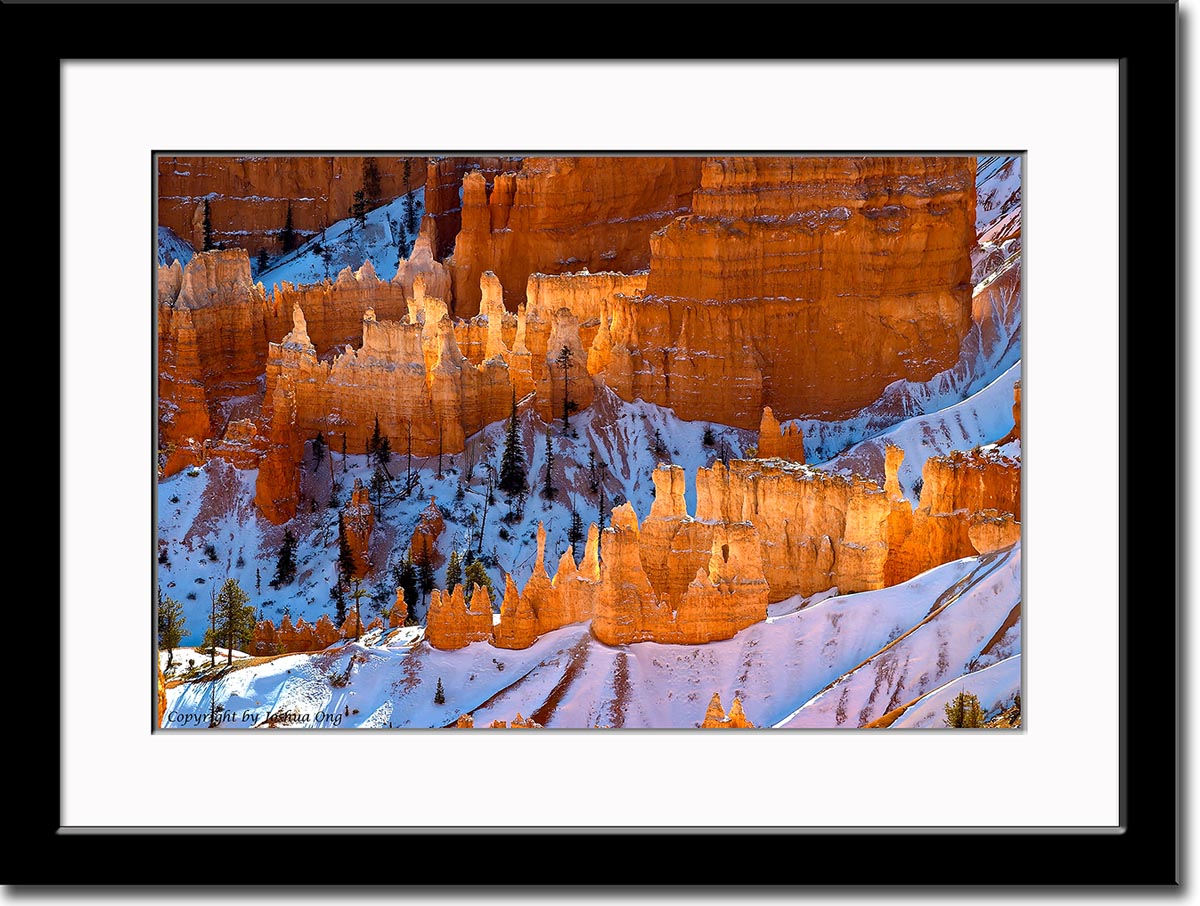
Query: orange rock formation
{"type": "Point", "coordinates": [444, 190]}
{"type": "Point", "coordinates": [358, 521]}
{"type": "Point", "coordinates": [249, 196]}
{"type": "Point", "coordinates": [429, 528]}
{"type": "Point", "coordinates": [728, 594]}
{"type": "Point", "coordinates": [970, 503]}
{"type": "Point", "coordinates": [775, 442]}
{"type": "Point", "coordinates": [450, 625]}
{"type": "Point", "coordinates": [398, 615]}
{"type": "Point", "coordinates": [715, 717]}
{"type": "Point", "coordinates": [277, 488]}
{"type": "Point", "coordinates": [288, 638]}
{"type": "Point", "coordinates": [763, 531]}
{"type": "Point", "coordinates": [867, 259]}
{"type": "Point", "coordinates": [554, 215]}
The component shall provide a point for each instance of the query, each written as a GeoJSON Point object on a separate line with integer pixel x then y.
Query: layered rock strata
{"type": "Point", "coordinates": [249, 196]}
{"type": "Point", "coordinates": [555, 215]}
{"type": "Point", "coordinates": [867, 259]}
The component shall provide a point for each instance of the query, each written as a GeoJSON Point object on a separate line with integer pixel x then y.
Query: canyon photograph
{"type": "Point", "coordinates": [508, 442]}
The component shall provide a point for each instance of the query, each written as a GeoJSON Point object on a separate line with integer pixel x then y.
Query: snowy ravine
{"type": "Point", "coordinates": [383, 240]}
{"type": "Point", "coordinates": [215, 506]}
{"type": "Point", "coordinates": [839, 661]}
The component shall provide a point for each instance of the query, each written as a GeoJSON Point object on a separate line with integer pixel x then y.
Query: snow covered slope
{"type": "Point", "coordinates": [172, 248]}
{"type": "Point", "coordinates": [838, 662]}
{"type": "Point", "coordinates": [215, 507]}
{"type": "Point", "coordinates": [383, 240]}
{"type": "Point", "coordinates": [984, 417]}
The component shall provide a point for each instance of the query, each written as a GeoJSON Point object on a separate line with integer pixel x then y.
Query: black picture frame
{"type": "Point", "coordinates": [1144, 851]}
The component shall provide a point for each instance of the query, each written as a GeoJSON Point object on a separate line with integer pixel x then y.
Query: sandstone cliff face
{"type": "Point", "coordinates": [817, 529]}
{"type": "Point", "coordinates": [215, 329]}
{"type": "Point", "coordinates": [357, 523]}
{"type": "Point", "coordinates": [726, 596]}
{"type": "Point", "coordinates": [249, 196]}
{"type": "Point", "coordinates": [212, 329]}
{"type": "Point", "coordinates": [334, 310]}
{"type": "Point", "coordinates": [411, 376]}
{"type": "Point", "coordinates": [868, 259]}
{"type": "Point", "coordinates": [518, 623]}
{"type": "Point", "coordinates": [970, 503]}
{"type": "Point", "coordinates": [450, 625]}
{"type": "Point", "coordinates": [241, 447]}
{"type": "Point", "coordinates": [554, 215]}
{"type": "Point", "coordinates": [443, 192]}
{"type": "Point", "coordinates": [277, 488]}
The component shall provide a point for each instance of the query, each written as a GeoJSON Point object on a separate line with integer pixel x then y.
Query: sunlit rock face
{"type": "Point", "coordinates": [249, 196]}
{"type": "Point", "coordinates": [561, 214]}
{"type": "Point", "coordinates": [867, 259]}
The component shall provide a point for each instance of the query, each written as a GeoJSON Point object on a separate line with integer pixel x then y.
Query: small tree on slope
{"type": "Point", "coordinates": [171, 628]}
{"type": "Point", "coordinates": [512, 462]}
{"type": "Point", "coordinates": [234, 623]}
{"type": "Point", "coordinates": [285, 566]}
{"type": "Point", "coordinates": [964, 711]}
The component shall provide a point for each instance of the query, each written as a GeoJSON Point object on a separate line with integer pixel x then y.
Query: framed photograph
{"type": "Point", "coordinates": [618, 400]}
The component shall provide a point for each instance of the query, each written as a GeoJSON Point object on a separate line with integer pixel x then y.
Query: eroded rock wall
{"type": "Point", "coordinates": [249, 196]}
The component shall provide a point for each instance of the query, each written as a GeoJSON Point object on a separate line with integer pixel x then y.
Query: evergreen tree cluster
{"type": "Point", "coordinates": [285, 565]}
{"type": "Point", "coordinates": [513, 480]}
{"type": "Point", "coordinates": [964, 711]}
{"type": "Point", "coordinates": [232, 624]}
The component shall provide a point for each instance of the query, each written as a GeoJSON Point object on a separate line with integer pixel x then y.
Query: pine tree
{"type": "Point", "coordinates": [593, 472]}
{"type": "Point", "coordinates": [358, 594]}
{"type": "Point", "coordinates": [358, 210]}
{"type": "Point", "coordinates": [512, 461]}
{"type": "Point", "coordinates": [549, 491]}
{"type": "Point", "coordinates": [563, 360]}
{"type": "Point", "coordinates": [964, 711]}
{"type": "Point", "coordinates": [454, 573]}
{"type": "Point", "coordinates": [263, 260]}
{"type": "Point", "coordinates": [371, 187]}
{"type": "Point", "coordinates": [339, 597]}
{"type": "Point", "coordinates": [171, 628]}
{"type": "Point", "coordinates": [477, 575]}
{"type": "Point", "coordinates": [658, 447]}
{"type": "Point", "coordinates": [287, 236]}
{"type": "Point", "coordinates": [575, 533]}
{"type": "Point", "coordinates": [285, 566]}
{"type": "Point", "coordinates": [345, 560]}
{"type": "Point", "coordinates": [344, 453]}
{"type": "Point", "coordinates": [603, 508]}
{"type": "Point", "coordinates": [425, 578]}
{"type": "Point", "coordinates": [379, 483]}
{"type": "Point", "coordinates": [233, 623]}
{"type": "Point", "coordinates": [318, 449]}
{"type": "Point", "coordinates": [439, 696]}
{"type": "Point", "coordinates": [379, 446]}
{"type": "Point", "coordinates": [406, 579]}
{"type": "Point", "coordinates": [410, 214]}
{"type": "Point", "coordinates": [710, 439]}
{"type": "Point", "coordinates": [208, 230]}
